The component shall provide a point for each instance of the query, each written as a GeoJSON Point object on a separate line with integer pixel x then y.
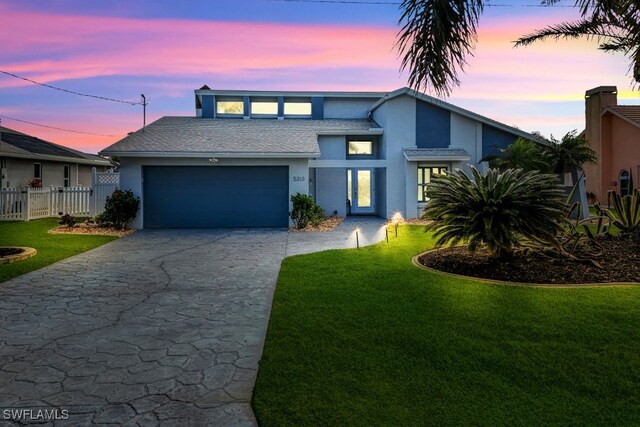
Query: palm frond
{"type": "Point", "coordinates": [434, 40]}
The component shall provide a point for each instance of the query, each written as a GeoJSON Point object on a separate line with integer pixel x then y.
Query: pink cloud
{"type": "Point", "coordinates": [87, 46]}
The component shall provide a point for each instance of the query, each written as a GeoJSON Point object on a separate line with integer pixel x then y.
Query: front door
{"type": "Point", "coordinates": [361, 191]}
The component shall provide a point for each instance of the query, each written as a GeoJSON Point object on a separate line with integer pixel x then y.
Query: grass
{"type": "Point", "coordinates": [51, 247]}
{"type": "Point", "coordinates": [362, 337]}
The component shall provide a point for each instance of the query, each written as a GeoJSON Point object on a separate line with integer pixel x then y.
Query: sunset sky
{"type": "Point", "coordinates": [166, 49]}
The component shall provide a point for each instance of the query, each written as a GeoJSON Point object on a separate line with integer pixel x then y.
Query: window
{"type": "Point", "coordinates": [360, 148]}
{"type": "Point", "coordinates": [37, 171]}
{"type": "Point", "coordinates": [3, 162]}
{"type": "Point", "coordinates": [232, 107]}
{"type": "Point", "coordinates": [625, 183]}
{"type": "Point", "coordinates": [67, 175]}
{"type": "Point", "coordinates": [264, 107]}
{"type": "Point", "coordinates": [297, 107]}
{"type": "Point", "coordinates": [424, 179]}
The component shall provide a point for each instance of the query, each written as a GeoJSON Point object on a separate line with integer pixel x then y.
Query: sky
{"type": "Point", "coordinates": [166, 49]}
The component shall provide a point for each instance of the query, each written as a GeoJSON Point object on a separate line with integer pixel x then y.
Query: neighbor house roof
{"type": "Point", "coordinates": [435, 154]}
{"type": "Point", "coordinates": [224, 137]}
{"type": "Point", "coordinates": [466, 113]}
{"type": "Point", "coordinates": [18, 144]}
{"type": "Point", "coordinates": [628, 113]}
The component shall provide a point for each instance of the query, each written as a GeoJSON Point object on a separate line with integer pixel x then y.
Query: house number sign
{"type": "Point", "coordinates": [298, 178]}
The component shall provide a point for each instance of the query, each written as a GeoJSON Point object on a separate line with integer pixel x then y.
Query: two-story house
{"type": "Point", "coordinates": [237, 161]}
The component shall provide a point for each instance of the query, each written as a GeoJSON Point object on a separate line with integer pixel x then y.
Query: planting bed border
{"type": "Point", "coordinates": [10, 259]}
{"type": "Point", "coordinates": [416, 261]}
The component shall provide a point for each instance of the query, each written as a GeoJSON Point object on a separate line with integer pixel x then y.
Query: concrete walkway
{"type": "Point", "coordinates": [370, 231]}
{"type": "Point", "coordinates": [158, 328]}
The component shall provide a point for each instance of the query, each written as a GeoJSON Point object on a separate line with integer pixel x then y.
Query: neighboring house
{"type": "Point", "coordinates": [24, 158]}
{"type": "Point", "coordinates": [613, 131]}
{"type": "Point", "coordinates": [240, 158]}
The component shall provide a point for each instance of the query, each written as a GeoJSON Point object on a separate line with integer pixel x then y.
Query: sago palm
{"type": "Point", "coordinates": [495, 210]}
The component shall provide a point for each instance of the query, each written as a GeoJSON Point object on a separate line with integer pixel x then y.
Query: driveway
{"type": "Point", "coordinates": [160, 327]}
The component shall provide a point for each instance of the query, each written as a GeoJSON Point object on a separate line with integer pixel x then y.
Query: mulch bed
{"type": "Point", "coordinates": [620, 263]}
{"type": "Point", "coordinates": [90, 229]}
{"type": "Point", "coordinates": [328, 224]}
{"type": "Point", "coordinates": [4, 252]}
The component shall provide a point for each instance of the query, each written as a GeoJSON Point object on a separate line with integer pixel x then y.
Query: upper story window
{"type": "Point", "coordinates": [230, 106]}
{"type": "Point", "coordinates": [264, 107]}
{"type": "Point", "coordinates": [360, 148]}
{"type": "Point", "coordinates": [297, 107]}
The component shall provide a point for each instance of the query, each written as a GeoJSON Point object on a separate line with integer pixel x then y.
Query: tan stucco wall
{"type": "Point", "coordinates": [20, 171]}
{"type": "Point", "coordinates": [624, 150]}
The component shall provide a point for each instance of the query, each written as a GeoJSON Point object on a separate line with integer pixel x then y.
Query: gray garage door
{"type": "Point", "coordinates": [215, 196]}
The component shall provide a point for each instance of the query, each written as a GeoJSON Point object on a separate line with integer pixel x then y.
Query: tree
{"type": "Point", "coordinates": [522, 154]}
{"type": "Point", "coordinates": [437, 35]}
{"type": "Point", "coordinates": [572, 151]}
{"type": "Point", "coordinates": [613, 23]}
{"type": "Point", "coordinates": [496, 210]}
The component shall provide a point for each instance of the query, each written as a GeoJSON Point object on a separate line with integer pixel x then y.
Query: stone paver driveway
{"type": "Point", "coordinates": [161, 327]}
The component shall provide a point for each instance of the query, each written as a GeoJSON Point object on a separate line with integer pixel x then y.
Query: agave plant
{"type": "Point", "coordinates": [496, 210]}
{"type": "Point", "coordinates": [623, 211]}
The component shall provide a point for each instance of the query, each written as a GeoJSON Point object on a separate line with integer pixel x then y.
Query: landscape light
{"type": "Point", "coordinates": [357, 237]}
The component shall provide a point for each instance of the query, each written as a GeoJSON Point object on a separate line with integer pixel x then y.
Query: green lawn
{"type": "Point", "coordinates": [362, 337]}
{"type": "Point", "coordinates": [51, 247]}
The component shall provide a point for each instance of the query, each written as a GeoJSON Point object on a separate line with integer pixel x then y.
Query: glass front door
{"type": "Point", "coordinates": [361, 190]}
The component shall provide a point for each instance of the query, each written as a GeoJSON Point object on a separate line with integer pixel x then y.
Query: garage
{"type": "Point", "coordinates": [215, 196]}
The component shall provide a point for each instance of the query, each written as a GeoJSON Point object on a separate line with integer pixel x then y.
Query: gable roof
{"type": "Point", "coordinates": [18, 144]}
{"type": "Point", "coordinates": [628, 113]}
{"type": "Point", "coordinates": [447, 106]}
{"type": "Point", "coordinates": [227, 137]}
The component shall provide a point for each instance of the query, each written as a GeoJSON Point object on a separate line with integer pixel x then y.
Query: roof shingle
{"type": "Point", "coordinates": [191, 135]}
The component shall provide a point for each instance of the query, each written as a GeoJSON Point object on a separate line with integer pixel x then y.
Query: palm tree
{"type": "Point", "coordinates": [572, 152]}
{"type": "Point", "coordinates": [436, 36]}
{"type": "Point", "coordinates": [522, 154]}
{"type": "Point", "coordinates": [614, 23]}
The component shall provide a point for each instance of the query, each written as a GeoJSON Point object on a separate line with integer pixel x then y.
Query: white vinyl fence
{"type": "Point", "coordinates": [23, 204]}
{"type": "Point", "coordinates": [34, 203]}
{"type": "Point", "coordinates": [103, 185]}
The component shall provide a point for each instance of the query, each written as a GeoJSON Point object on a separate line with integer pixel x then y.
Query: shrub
{"type": "Point", "coordinates": [67, 220]}
{"type": "Point", "coordinates": [34, 183]}
{"type": "Point", "coordinates": [624, 212]}
{"type": "Point", "coordinates": [120, 209]}
{"type": "Point", "coordinates": [495, 210]}
{"type": "Point", "coordinates": [305, 211]}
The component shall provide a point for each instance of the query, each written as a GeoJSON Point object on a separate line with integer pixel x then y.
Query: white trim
{"type": "Point", "coordinates": [200, 154]}
{"type": "Point", "coordinates": [257, 93]}
{"type": "Point", "coordinates": [60, 159]}
{"type": "Point", "coordinates": [370, 131]}
{"type": "Point", "coordinates": [620, 116]}
{"type": "Point", "coordinates": [348, 164]}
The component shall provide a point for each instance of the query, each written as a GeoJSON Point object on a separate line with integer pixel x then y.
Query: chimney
{"type": "Point", "coordinates": [596, 100]}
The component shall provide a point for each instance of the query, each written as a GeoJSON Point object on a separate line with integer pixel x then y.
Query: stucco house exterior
{"type": "Point", "coordinates": [24, 158]}
{"type": "Point", "coordinates": [613, 131]}
{"type": "Point", "coordinates": [237, 161]}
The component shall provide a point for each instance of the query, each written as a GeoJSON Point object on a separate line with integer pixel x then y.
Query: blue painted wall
{"type": "Point", "coordinates": [433, 126]}
{"type": "Point", "coordinates": [208, 103]}
{"type": "Point", "coordinates": [493, 139]}
{"type": "Point", "coordinates": [317, 108]}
